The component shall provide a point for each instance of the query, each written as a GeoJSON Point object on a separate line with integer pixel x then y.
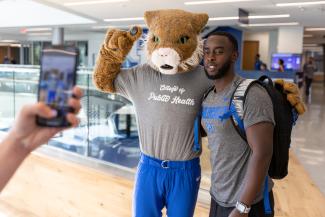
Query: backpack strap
{"type": "Point", "coordinates": [197, 123]}
{"type": "Point", "coordinates": [266, 196]}
{"type": "Point", "coordinates": [236, 107]}
{"type": "Point", "coordinates": [207, 92]}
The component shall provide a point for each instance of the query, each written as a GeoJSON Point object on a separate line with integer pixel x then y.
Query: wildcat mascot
{"type": "Point", "coordinates": [166, 93]}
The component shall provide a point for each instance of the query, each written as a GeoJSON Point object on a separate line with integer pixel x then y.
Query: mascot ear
{"type": "Point", "coordinates": [199, 21]}
{"type": "Point", "coordinates": [149, 16]}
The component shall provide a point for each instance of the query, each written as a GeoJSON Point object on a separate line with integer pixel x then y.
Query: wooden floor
{"type": "Point", "coordinates": [46, 187]}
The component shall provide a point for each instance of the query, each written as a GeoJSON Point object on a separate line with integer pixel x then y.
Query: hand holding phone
{"type": "Point", "coordinates": [57, 78]}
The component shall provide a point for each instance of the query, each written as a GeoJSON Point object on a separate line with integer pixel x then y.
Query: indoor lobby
{"type": "Point", "coordinates": [89, 171]}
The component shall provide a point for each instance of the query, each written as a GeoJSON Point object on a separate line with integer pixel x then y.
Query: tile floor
{"type": "Point", "coordinates": [308, 140]}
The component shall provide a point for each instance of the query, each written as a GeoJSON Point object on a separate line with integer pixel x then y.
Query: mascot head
{"type": "Point", "coordinates": [174, 44]}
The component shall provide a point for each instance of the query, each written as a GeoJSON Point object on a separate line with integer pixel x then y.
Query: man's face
{"type": "Point", "coordinates": [219, 56]}
{"type": "Point", "coordinates": [310, 60]}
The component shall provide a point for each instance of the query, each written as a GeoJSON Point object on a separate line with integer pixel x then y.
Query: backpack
{"type": "Point", "coordinates": [285, 117]}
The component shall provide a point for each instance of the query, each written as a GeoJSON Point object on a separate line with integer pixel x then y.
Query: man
{"type": "Point", "coordinates": [239, 169]}
{"type": "Point", "coordinates": [309, 69]}
{"type": "Point", "coordinates": [258, 62]}
{"type": "Point", "coordinates": [6, 60]}
{"type": "Point", "coordinates": [25, 135]}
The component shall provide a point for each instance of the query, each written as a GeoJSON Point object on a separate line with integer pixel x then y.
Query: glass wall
{"type": "Point", "coordinates": [107, 130]}
{"type": "Point", "coordinates": [7, 100]}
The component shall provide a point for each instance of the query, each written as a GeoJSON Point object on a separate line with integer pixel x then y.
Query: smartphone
{"type": "Point", "coordinates": [57, 78]}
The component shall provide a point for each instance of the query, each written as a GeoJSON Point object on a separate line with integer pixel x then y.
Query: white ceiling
{"type": "Point", "coordinates": [22, 13]}
{"type": "Point", "coordinates": [307, 16]}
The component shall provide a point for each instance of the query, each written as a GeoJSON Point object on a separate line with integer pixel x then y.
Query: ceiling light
{"type": "Point", "coordinates": [35, 30]}
{"type": "Point", "coordinates": [8, 41]}
{"type": "Point", "coordinates": [15, 45]}
{"type": "Point", "coordinates": [118, 27]}
{"type": "Point", "coordinates": [103, 27]}
{"type": "Point", "coordinates": [223, 18]}
{"type": "Point", "coordinates": [39, 34]}
{"type": "Point", "coordinates": [124, 19]}
{"type": "Point", "coordinates": [270, 24]}
{"type": "Point", "coordinates": [250, 17]}
{"type": "Point", "coordinates": [300, 3]}
{"type": "Point", "coordinates": [315, 29]}
{"type": "Point", "coordinates": [38, 29]}
{"type": "Point", "coordinates": [92, 2]}
{"type": "Point", "coordinates": [214, 2]}
{"type": "Point", "coordinates": [268, 16]}
{"type": "Point", "coordinates": [310, 45]}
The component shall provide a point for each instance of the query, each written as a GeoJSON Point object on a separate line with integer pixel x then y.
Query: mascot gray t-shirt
{"type": "Point", "coordinates": [166, 107]}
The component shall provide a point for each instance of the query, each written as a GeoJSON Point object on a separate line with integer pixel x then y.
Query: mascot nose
{"type": "Point", "coordinates": [163, 52]}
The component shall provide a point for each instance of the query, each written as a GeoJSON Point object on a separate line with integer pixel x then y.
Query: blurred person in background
{"type": "Point", "coordinates": [308, 72]}
{"type": "Point", "coordinates": [6, 60]}
{"type": "Point", "coordinates": [258, 62]}
{"type": "Point", "coordinates": [281, 65]}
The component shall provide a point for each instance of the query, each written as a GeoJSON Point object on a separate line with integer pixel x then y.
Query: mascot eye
{"type": "Point", "coordinates": [155, 39]}
{"type": "Point", "coordinates": [184, 39]}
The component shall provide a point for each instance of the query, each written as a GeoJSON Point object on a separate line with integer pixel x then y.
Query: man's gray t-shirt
{"type": "Point", "coordinates": [229, 152]}
{"type": "Point", "coordinates": [166, 107]}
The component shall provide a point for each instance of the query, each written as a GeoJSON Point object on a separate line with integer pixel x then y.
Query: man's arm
{"type": "Point", "coordinates": [260, 140]}
{"type": "Point", "coordinates": [25, 135]}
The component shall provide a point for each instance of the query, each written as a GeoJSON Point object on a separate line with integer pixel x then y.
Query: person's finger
{"type": "Point", "coordinates": [75, 104]}
{"type": "Point", "coordinates": [77, 92]}
{"type": "Point", "coordinates": [72, 119]}
{"type": "Point", "coordinates": [39, 109]}
{"type": "Point", "coordinates": [55, 130]}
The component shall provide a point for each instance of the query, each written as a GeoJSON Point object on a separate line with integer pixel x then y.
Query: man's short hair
{"type": "Point", "coordinates": [230, 37]}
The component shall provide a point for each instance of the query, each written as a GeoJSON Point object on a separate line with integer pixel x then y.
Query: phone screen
{"type": "Point", "coordinates": [57, 78]}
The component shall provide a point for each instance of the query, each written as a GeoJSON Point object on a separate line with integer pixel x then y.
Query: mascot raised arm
{"type": "Point", "coordinates": [166, 93]}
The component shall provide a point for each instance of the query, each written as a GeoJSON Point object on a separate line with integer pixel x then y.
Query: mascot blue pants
{"type": "Point", "coordinates": [174, 184]}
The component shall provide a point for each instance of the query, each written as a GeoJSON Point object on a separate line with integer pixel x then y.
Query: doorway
{"type": "Point", "coordinates": [251, 48]}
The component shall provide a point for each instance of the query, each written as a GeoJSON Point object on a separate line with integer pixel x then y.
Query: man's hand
{"type": "Point", "coordinates": [28, 135]}
{"type": "Point", "coordinates": [235, 213]}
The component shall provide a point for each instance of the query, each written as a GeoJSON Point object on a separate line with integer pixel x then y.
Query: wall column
{"type": "Point", "coordinates": [57, 36]}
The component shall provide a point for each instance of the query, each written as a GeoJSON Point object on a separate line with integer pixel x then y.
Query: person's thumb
{"type": "Point", "coordinates": [39, 109]}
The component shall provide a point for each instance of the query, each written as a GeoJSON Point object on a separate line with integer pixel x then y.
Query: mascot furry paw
{"type": "Point", "coordinates": [293, 95]}
{"type": "Point", "coordinates": [116, 46]}
{"type": "Point", "coordinates": [166, 92]}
